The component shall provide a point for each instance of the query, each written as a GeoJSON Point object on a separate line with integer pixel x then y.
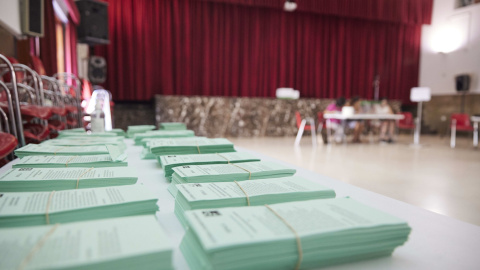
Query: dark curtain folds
{"type": "Point", "coordinates": [189, 47]}
{"type": "Point", "coordinates": [48, 43]}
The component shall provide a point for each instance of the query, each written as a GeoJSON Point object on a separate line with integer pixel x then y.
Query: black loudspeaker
{"type": "Point", "coordinates": [97, 69]}
{"type": "Point", "coordinates": [93, 28]}
{"type": "Point", "coordinates": [462, 82]}
{"type": "Point", "coordinates": [32, 17]}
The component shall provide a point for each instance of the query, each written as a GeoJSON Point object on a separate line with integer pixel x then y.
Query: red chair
{"type": "Point", "coordinates": [407, 122]}
{"type": "Point", "coordinates": [37, 65]}
{"type": "Point", "coordinates": [302, 126]}
{"type": "Point", "coordinates": [461, 122]}
{"type": "Point", "coordinates": [8, 142]}
{"type": "Point", "coordinates": [35, 133]}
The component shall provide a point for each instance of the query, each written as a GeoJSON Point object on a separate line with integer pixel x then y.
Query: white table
{"type": "Point", "coordinates": [363, 116]}
{"type": "Point", "coordinates": [360, 116]}
{"type": "Point", "coordinates": [475, 120]}
{"type": "Point", "coordinates": [436, 241]}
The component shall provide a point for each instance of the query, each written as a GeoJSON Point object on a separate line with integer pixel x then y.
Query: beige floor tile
{"type": "Point", "coordinates": [434, 176]}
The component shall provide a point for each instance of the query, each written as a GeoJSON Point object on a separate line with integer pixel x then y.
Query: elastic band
{"type": "Point", "coordinates": [58, 149]}
{"type": "Point", "coordinates": [222, 156]}
{"type": "Point", "coordinates": [47, 218]}
{"type": "Point", "coordinates": [78, 179]}
{"type": "Point", "coordinates": [250, 173]}
{"type": "Point", "coordinates": [39, 244]}
{"type": "Point", "coordinates": [248, 198]}
{"type": "Point", "coordinates": [70, 159]}
{"type": "Point", "coordinates": [297, 237]}
{"type": "Point", "coordinates": [198, 147]}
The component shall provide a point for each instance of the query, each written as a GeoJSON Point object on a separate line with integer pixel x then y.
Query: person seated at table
{"type": "Point", "coordinates": [334, 124]}
{"type": "Point", "coordinates": [387, 127]}
{"type": "Point", "coordinates": [356, 125]}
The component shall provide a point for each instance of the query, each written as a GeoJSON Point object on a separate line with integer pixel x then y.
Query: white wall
{"type": "Point", "coordinates": [10, 16]}
{"type": "Point", "coordinates": [451, 28]}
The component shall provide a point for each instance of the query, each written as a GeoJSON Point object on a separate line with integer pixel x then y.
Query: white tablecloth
{"type": "Point", "coordinates": [436, 241]}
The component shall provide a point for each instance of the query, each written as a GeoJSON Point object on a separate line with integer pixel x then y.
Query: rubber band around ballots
{"type": "Point", "coordinates": [297, 237]}
{"type": "Point", "coordinates": [39, 244]}
{"type": "Point", "coordinates": [248, 198]}
{"type": "Point", "coordinates": [198, 147]}
{"type": "Point", "coordinates": [58, 149]}
{"type": "Point", "coordinates": [250, 173]}
{"type": "Point", "coordinates": [78, 179]}
{"type": "Point", "coordinates": [222, 156]}
{"type": "Point", "coordinates": [47, 218]}
{"type": "Point", "coordinates": [70, 159]}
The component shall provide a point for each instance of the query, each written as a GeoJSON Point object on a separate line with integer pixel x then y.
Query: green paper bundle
{"type": "Point", "coordinates": [306, 234]}
{"type": "Point", "coordinates": [34, 208]}
{"type": "Point", "coordinates": [48, 179]}
{"type": "Point", "coordinates": [227, 173]}
{"type": "Point", "coordinates": [185, 146]}
{"type": "Point", "coordinates": [247, 193]}
{"type": "Point", "coordinates": [171, 161]}
{"type": "Point", "coordinates": [161, 134]}
{"type": "Point", "coordinates": [172, 126]}
{"type": "Point", "coordinates": [132, 130]}
{"type": "Point", "coordinates": [137, 242]}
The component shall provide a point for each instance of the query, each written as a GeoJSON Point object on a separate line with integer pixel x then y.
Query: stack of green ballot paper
{"type": "Point", "coordinates": [117, 131]}
{"type": "Point", "coordinates": [227, 173]}
{"type": "Point", "coordinates": [247, 193]}
{"type": "Point", "coordinates": [115, 158]}
{"type": "Point", "coordinates": [38, 208]}
{"type": "Point", "coordinates": [159, 134]}
{"type": "Point", "coordinates": [137, 242]}
{"type": "Point", "coordinates": [86, 141]}
{"type": "Point", "coordinates": [61, 150]}
{"type": "Point", "coordinates": [68, 133]}
{"type": "Point", "coordinates": [307, 234]}
{"type": "Point", "coordinates": [185, 146]}
{"type": "Point", "coordinates": [131, 130]}
{"type": "Point", "coordinates": [48, 179]}
{"type": "Point", "coordinates": [146, 154]}
{"type": "Point", "coordinates": [171, 161]}
{"type": "Point", "coordinates": [172, 126]}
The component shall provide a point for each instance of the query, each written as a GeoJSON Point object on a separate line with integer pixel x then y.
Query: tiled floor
{"type": "Point", "coordinates": [434, 176]}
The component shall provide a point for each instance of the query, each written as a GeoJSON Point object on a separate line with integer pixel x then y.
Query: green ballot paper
{"type": "Point", "coordinates": [67, 134]}
{"type": "Point", "coordinates": [82, 141]}
{"type": "Point", "coordinates": [159, 134]}
{"type": "Point", "coordinates": [306, 234]}
{"type": "Point", "coordinates": [227, 173]}
{"type": "Point", "coordinates": [115, 158]}
{"type": "Point", "coordinates": [147, 142]}
{"type": "Point", "coordinates": [172, 126]}
{"type": "Point", "coordinates": [132, 130]}
{"type": "Point", "coordinates": [171, 161]}
{"type": "Point", "coordinates": [247, 193]}
{"type": "Point", "coordinates": [117, 131]}
{"type": "Point", "coordinates": [49, 179]}
{"type": "Point", "coordinates": [61, 150]}
{"type": "Point", "coordinates": [137, 242]}
{"type": "Point", "coordinates": [185, 146]}
{"type": "Point", "coordinates": [39, 208]}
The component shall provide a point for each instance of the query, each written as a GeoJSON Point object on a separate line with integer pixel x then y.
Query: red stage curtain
{"type": "Point", "coordinates": [48, 43]}
{"type": "Point", "coordinates": [189, 47]}
{"type": "Point", "coordinates": [399, 11]}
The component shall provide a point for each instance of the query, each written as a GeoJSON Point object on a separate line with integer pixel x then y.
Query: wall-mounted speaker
{"type": "Point", "coordinates": [32, 17]}
{"type": "Point", "coordinates": [93, 28]}
{"type": "Point", "coordinates": [462, 82]}
{"type": "Point", "coordinates": [97, 69]}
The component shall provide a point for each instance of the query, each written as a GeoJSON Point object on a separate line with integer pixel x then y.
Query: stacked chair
{"type": "Point", "coordinates": [33, 106]}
